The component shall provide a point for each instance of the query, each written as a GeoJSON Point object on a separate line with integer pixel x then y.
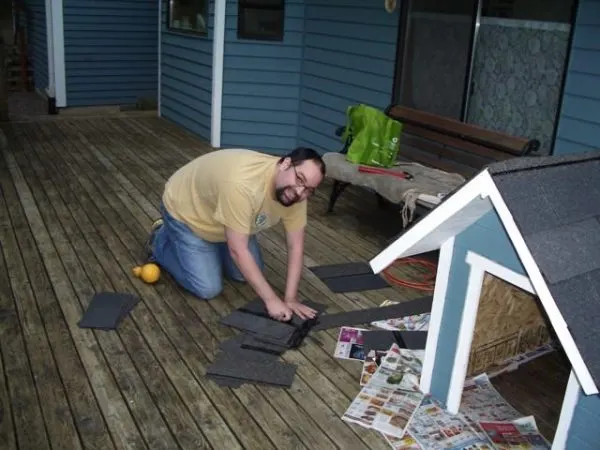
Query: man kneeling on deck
{"type": "Point", "coordinates": [213, 207]}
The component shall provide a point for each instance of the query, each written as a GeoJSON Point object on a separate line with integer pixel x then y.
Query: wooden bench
{"type": "Point", "coordinates": [444, 144]}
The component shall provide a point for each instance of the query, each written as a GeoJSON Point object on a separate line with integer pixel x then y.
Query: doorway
{"type": "Point", "coordinates": [499, 64]}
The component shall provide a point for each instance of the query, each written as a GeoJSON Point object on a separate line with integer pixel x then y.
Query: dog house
{"type": "Point", "coordinates": [534, 223]}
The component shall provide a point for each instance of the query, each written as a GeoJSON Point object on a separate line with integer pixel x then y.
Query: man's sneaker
{"type": "Point", "coordinates": [148, 256]}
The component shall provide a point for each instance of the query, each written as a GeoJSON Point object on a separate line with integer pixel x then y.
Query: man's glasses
{"type": "Point", "coordinates": [302, 183]}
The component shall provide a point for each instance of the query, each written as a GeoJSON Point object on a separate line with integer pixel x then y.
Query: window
{"type": "Point", "coordinates": [188, 16]}
{"type": "Point", "coordinates": [260, 19]}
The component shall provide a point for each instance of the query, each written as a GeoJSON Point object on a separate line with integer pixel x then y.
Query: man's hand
{"type": "Point", "coordinates": [279, 310]}
{"type": "Point", "coordinates": [302, 311]}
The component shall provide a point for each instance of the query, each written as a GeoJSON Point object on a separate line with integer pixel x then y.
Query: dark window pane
{"type": "Point", "coordinates": [188, 15]}
{"type": "Point", "coordinates": [250, 3]}
{"type": "Point", "coordinates": [262, 22]}
{"type": "Point", "coordinates": [542, 10]}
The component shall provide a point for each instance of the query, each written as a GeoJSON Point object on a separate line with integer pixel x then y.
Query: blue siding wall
{"type": "Point", "coordinates": [349, 53]}
{"type": "Point", "coordinates": [584, 433]}
{"type": "Point", "coordinates": [261, 85]}
{"type": "Point", "coordinates": [186, 77]}
{"type": "Point", "coordinates": [37, 42]}
{"type": "Point", "coordinates": [111, 51]}
{"type": "Point", "coordinates": [488, 238]}
{"type": "Point", "coordinates": [579, 122]}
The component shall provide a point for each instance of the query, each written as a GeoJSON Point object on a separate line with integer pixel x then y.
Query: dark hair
{"type": "Point", "coordinates": [301, 154]}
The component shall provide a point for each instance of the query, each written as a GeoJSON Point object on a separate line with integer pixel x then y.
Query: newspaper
{"type": "Point", "coordinates": [405, 443]}
{"type": "Point", "coordinates": [432, 427]}
{"type": "Point", "coordinates": [417, 322]}
{"type": "Point", "coordinates": [514, 362]}
{"type": "Point", "coordinates": [372, 362]}
{"type": "Point", "coordinates": [390, 398]}
{"type": "Point", "coordinates": [482, 402]}
{"type": "Point", "coordinates": [519, 434]}
{"type": "Point", "coordinates": [436, 429]}
{"type": "Point", "coordinates": [350, 344]}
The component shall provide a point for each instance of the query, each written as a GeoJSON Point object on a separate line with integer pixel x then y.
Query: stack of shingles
{"type": "Point", "coordinates": [252, 355]}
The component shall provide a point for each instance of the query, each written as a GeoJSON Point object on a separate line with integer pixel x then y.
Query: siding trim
{"type": "Point", "coordinates": [51, 88]}
{"type": "Point", "coordinates": [159, 68]}
{"type": "Point", "coordinates": [217, 73]}
{"type": "Point", "coordinates": [437, 312]}
{"type": "Point", "coordinates": [566, 413]}
{"type": "Point", "coordinates": [58, 50]}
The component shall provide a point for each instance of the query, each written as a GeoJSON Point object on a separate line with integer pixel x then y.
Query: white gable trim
{"type": "Point", "coordinates": [406, 245]}
{"type": "Point", "coordinates": [539, 284]}
{"type": "Point", "coordinates": [566, 413]}
{"type": "Point", "coordinates": [437, 311]}
{"type": "Point", "coordinates": [500, 271]}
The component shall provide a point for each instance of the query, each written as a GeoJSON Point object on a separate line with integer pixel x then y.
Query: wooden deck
{"type": "Point", "coordinates": [78, 196]}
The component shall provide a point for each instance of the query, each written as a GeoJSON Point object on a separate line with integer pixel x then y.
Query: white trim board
{"type": "Point", "coordinates": [437, 311]}
{"type": "Point", "coordinates": [500, 271]}
{"type": "Point", "coordinates": [465, 337]}
{"type": "Point", "coordinates": [58, 53]}
{"type": "Point", "coordinates": [51, 88]}
{"type": "Point", "coordinates": [566, 413]}
{"type": "Point", "coordinates": [159, 76]}
{"type": "Point", "coordinates": [217, 73]}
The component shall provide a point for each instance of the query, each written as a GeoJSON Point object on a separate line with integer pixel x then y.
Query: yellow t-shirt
{"type": "Point", "coordinates": [229, 188]}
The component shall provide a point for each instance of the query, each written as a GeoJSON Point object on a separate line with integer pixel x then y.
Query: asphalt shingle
{"type": "Point", "coordinates": [555, 202]}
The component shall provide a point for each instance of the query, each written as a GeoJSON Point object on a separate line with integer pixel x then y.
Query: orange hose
{"type": "Point", "coordinates": [427, 283]}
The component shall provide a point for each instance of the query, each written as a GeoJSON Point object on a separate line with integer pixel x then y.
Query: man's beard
{"type": "Point", "coordinates": [282, 193]}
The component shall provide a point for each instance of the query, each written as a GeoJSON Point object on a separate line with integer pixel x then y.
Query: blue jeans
{"type": "Point", "coordinates": [196, 264]}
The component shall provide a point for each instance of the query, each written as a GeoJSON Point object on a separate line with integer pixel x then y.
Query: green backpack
{"type": "Point", "coordinates": [375, 137]}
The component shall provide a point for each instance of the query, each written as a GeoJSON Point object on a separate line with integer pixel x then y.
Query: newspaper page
{"type": "Point", "coordinates": [482, 402]}
{"type": "Point", "coordinates": [390, 398]}
{"type": "Point", "coordinates": [405, 443]}
{"type": "Point", "coordinates": [436, 429]}
{"type": "Point", "coordinates": [417, 322]}
{"type": "Point", "coordinates": [372, 362]}
{"type": "Point", "coordinates": [518, 434]}
{"type": "Point", "coordinates": [350, 344]}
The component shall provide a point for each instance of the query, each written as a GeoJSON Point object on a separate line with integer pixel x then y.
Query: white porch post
{"type": "Point", "coordinates": [51, 88]}
{"type": "Point", "coordinates": [217, 73]}
{"type": "Point", "coordinates": [158, 92]}
{"type": "Point", "coordinates": [56, 52]}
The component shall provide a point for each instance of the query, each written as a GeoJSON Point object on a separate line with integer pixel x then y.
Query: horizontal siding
{"type": "Point", "coordinates": [186, 77]}
{"type": "Point", "coordinates": [349, 54]}
{"type": "Point", "coordinates": [488, 238]}
{"type": "Point", "coordinates": [579, 122]}
{"type": "Point", "coordinates": [111, 51]}
{"type": "Point", "coordinates": [38, 42]}
{"type": "Point", "coordinates": [261, 85]}
{"type": "Point", "coordinates": [584, 433]}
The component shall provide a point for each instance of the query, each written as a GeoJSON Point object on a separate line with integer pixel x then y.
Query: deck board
{"type": "Point", "coordinates": [78, 197]}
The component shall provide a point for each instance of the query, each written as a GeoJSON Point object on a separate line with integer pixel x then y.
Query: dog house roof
{"type": "Point", "coordinates": [550, 207]}
{"type": "Point", "coordinates": [555, 202]}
